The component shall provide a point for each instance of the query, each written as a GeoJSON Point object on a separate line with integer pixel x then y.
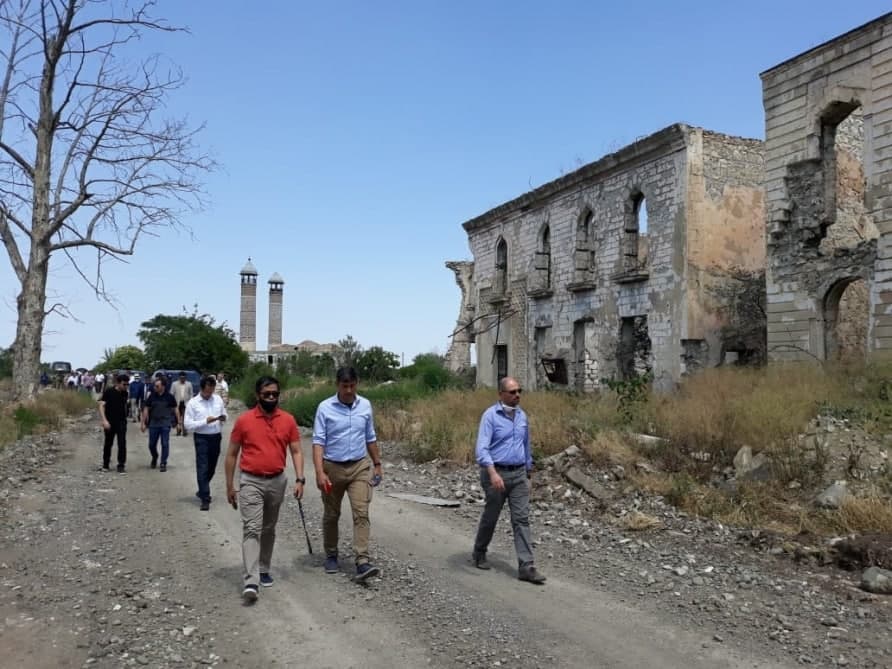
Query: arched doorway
{"type": "Point", "coordinates": [846, 318]}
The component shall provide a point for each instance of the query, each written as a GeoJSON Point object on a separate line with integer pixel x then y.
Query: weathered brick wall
{"type": "Point", "coordinates": [658, 170]}
{"type": "Point", "coordinates": [820, 235]}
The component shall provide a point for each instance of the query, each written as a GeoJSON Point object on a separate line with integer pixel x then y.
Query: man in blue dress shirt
{"type": "Point", "coordinates": [343, 442]}
{"type": "Point", "coordinates": [506, 464]}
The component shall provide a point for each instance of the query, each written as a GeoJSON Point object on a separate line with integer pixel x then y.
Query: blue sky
{"type": "Point", "coordinates": [354, 139]}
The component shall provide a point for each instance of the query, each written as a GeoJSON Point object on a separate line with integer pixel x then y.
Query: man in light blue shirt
{"type": "Point", "coordinates": [343, 440]}
{"type": "Point", "coordinates": [506, 464]}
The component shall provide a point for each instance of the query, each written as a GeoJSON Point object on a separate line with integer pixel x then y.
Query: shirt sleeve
{"type": "Point", "coordinates": [528, 452]}
{"type": "Point", "coordinates": [370, 436]}
{"type": "Point", "coordinates": [293, 432]}
{"type": "Point", "coordinates": [237, 433]}
{"type": "Point", "coordinates": [319, 427]}
{"type": "Point", "coordinates": [484, 439]}
{"type": "Point", "coordinates": [191, 421]}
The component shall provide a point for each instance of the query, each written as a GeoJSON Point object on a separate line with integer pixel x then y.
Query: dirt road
{"type": "Point", "coordinates": [108, 570]}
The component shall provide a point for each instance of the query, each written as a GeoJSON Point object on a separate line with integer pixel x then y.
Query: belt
{"type": "Point", "coordinates": [264, 476]}
{"type": "Point", "coordinates": [345, 463]}
{"type": "Point", "coordinates": [499, 465]}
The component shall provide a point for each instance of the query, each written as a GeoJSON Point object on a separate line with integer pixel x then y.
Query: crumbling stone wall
{"type": "Point", "coordinates": [458, 357]}
{"type": "Point", "coordinates": [593, 291]}
{"type": "Point", "coordinates": [829, 195]}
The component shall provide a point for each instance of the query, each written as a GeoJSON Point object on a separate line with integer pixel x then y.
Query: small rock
{"type": "Point", "coordinates": [833, 496]}
{"type": "Point", "coordinates": [876, 580]}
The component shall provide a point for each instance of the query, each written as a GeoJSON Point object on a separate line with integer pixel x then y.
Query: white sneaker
{"type": "Point", "coordinates": [249, 594]}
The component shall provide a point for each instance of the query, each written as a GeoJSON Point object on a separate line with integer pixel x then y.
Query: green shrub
{"type": "Point", "coordinates": [26, 421]}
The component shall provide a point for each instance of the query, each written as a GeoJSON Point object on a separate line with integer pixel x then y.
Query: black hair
{"type": "Point", "coordinates": [264, 381]}
{"type": "Point", "coordinates": [347, 375]}
{"type": "Point", "coordinates": [122, 378]}
{"type": "Point", "coordinates": [208, 380]}
{"type": "Point", "coordinates": [162, 380]}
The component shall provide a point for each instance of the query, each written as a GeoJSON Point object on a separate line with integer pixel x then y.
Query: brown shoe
{"type": "Point", "coordinates": [481, 563]}
{"type": "Point", "coordinates": [530, 574]}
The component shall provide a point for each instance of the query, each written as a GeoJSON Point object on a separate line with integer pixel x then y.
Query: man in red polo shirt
{"type": "Point", "coordinates": [262, 435]}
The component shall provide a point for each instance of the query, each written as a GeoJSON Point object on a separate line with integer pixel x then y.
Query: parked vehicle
{"type": "Point", "coordinates": [59, 371]}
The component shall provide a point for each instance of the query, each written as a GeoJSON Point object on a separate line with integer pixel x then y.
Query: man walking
{"type": "Point", "coordinates": [262, 435]}
{"type": "Point", "coordinates": [182, 392]}
{"type": "Point", "coordinates": [137, 397]}
{"type": "Point", "coordinates": [204, 417]}
{"type": "Point", "coordinates": [223, 388]}
{"type": "Point", "coordinates": [113, 412]}
{"type": "Point", "coordinates": [343, 439]}
{"type": "Point", "coordinates": [158, 415]}
{"type": "Point", "coordinates": [506, 464]}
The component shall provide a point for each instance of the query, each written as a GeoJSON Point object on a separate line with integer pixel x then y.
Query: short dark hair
{"type": "Point", "coordinates": [162, 381]}
{"type": "Point", "coordinates": [182, 373]}
{"type": "Point", "coordinates": [208, 380]}
{"type": "Point", "coordinates": [347, 375]}
{"type": "Point", "coordinates": [264, 381]}
{"type": "Point", "coordinates": [122, 378]}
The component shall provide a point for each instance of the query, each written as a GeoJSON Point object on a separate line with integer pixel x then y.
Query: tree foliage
{"type": "Point", "coordinates": [192, 342]}
{"type": "Point", "coordinates": [90, 159]}
{"type": "Point", "coordinates": [376, 364]}
{"type": "Point", "coordinates": [306, 364]}
{"type": "Point", "coordinates": [123, 357]}
{"type": "Point", "coordinates": [5, 363]}
{"type": "Point", "coordinates": [349, 349]}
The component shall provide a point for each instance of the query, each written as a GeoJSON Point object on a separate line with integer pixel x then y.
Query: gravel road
{"type": "Point", "coordinates": [107, 570]}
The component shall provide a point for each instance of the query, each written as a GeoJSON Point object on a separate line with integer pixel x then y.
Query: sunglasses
{"type": "Point", "coordinates": [518, 391]}
{"type": "Point", "coordinates": [271, 394]}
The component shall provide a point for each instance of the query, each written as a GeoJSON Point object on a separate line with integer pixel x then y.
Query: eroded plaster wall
{"type": "Point", "coordinates": [725, 251]}
{"type": "Point", "coordinates": [828, 128]}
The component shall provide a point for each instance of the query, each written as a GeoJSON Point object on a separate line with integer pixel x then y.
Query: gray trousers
{"type": "Point", "coordinates": [259, 500]}
{"type": "Point", "coordinates": [517, 493]}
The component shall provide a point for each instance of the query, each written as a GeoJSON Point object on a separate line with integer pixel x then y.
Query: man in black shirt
{"type": "Point", "coordinates": [158, 414]}
{"type": "Point", "coordinates": [113, 411]}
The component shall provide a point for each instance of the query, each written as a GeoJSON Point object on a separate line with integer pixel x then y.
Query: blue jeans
{"type": "Point", "coordinates": [164, 433]}
{"type": "Point", "coordinates": [207, 452]}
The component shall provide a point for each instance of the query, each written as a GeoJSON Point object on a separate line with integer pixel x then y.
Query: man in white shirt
{"type": "Point", "coordinates": [205, 414]}
{"type": "Point", "coordinates": [182, 393]}
{"type": "Point", "coordinates": [223, 388]}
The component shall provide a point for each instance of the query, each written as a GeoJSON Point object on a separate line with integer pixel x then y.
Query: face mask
{"type": "Point", "coordinates": [507, 409]}
{"type": "Point", "coordinates": [268, 405]}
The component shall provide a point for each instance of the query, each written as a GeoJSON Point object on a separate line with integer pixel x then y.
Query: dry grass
{"type": "Point", "coordinates": [859, 515]}
{"type": "Point", "coordinates": [44, 414]}
{"type": "Point", "coordinates": [638, 522]}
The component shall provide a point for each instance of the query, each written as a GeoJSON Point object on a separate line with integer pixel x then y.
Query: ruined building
{"type": "Point", "coordinates": [828, 185]}
{"type": "Point", "coordinates": [639, 263]}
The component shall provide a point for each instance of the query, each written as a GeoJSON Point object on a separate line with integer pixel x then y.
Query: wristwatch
{"type": "Point", "coordinates": [302, 481]}
{"type": "Point", "coordinates": [376, 464]}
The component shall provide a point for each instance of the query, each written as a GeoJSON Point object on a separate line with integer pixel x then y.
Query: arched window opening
{"type": "Point", "coordinates": [634, 230]}
{"type": "Point", "coordinates": [584, 256]}
{"type": "Point", "coordinates": [846, 316]}
{"type": "Point", "coordinates": [543, 260]}
{"type": "Point", "coordinates": [500, 283]}
{"type": "Point", "coordinates": [846, 219]}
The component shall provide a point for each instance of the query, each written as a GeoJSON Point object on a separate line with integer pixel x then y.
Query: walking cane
{"type": "Point", "coordinates": [300, 507]}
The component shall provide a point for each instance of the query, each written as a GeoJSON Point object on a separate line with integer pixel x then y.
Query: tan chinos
{"type": "Point", "coordinates": [259, 499]}
{"type": "Point", "coordinates": [355, 479]}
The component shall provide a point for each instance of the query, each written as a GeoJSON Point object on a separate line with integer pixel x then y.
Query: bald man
{"type": "Point", "coordinates": [506, 465]}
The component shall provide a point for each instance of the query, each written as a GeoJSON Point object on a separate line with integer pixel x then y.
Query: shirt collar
{"type": "Point", "coordinates": [337, 401]}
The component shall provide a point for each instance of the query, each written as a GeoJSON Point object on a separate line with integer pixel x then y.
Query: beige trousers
{"type": "Point", "coordinates": [353, 479]}
{"type": "Point", "coordinates": [259, 500]}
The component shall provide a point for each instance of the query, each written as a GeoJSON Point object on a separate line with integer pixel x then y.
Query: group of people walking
{"type": "Point", "coordinates": [346, 459]}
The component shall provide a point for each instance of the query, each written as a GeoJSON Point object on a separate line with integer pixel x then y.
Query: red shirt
{"type": "Point", "coordinates": [264, 440]}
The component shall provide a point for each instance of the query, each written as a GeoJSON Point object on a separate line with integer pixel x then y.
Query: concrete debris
{"type": "Point", "coordinates": [877, 581]}
{"type": "Point", "coordinates": [594, 489]}
{"type": "Point", "coordinates": [833, 496]}
{"type": "Point", "coordinates": [423, 499]}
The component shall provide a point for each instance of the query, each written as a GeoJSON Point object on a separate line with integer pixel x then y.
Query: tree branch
{"type": "Point", "coordinates": [12, 249]}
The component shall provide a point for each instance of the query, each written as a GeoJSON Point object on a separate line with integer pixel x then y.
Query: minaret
{"type": "Point", "coordinates": [276, 286]}
{"type": "Point", "coordinates": [247, 331]}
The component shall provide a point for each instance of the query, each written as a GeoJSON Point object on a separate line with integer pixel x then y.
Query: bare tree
{"type": "Point", "coordinates": [89, 161]}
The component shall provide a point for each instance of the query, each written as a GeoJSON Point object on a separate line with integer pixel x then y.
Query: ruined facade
{"type": "Point", "coordinates": [634, 264]}
{"type": "Point", "coordinates": [828, 185]}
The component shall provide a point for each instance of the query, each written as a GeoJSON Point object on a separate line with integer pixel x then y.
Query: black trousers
{"type": "Point", "coordinates": [119, 430]}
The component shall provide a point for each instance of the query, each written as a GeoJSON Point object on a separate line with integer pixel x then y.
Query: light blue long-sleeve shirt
{"type": "Point", "coordinates": [344, 431]}
{"type": "Point", "coordinates": [502, 441]}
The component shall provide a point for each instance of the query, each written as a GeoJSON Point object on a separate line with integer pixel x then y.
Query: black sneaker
{"type": "Point", "coordinates": [162, 468]}
{"type": "Point", "coordinates": [480, 561]}
{"type": "Point", "coordinates": [249, 594]}
{"type": "Point", "coordinates": [104, 468]}
{"type": "Point", "coordinates": [205, 505]}
{"type": "Point", "coordinates": [121, 469]}
{"type": "Point", "coordinates": [331, 564]}
{"type": "Point", "coordinates": [153, 463]}
{"type": "Point", "coordinates": [266, 580]}
{"type": "Point", "coordinates": [364, 571]}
